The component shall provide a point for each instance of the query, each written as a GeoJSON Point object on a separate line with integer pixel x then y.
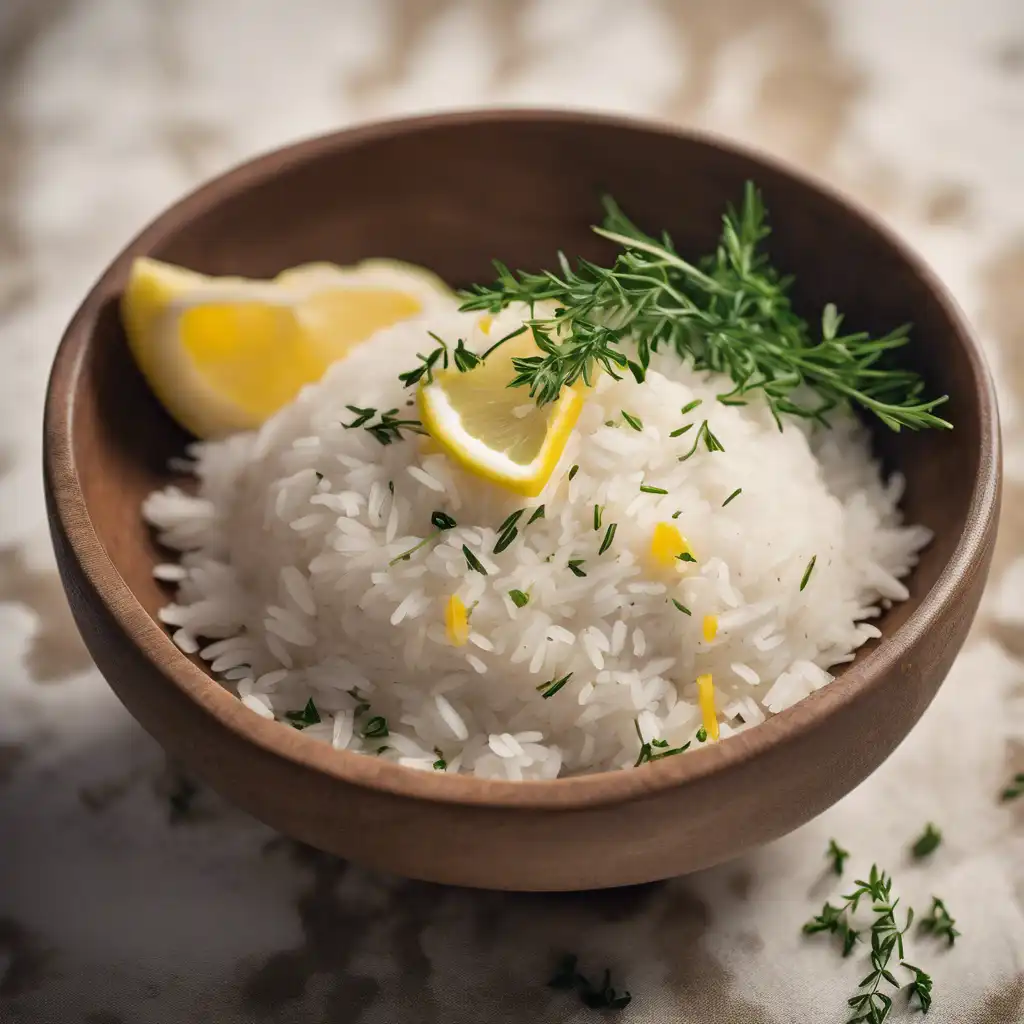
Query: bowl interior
{"type": "Point", "coordinates": [454, 193]}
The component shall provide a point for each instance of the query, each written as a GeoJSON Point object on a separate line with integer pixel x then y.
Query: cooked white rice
{"type": "Point", "coordinates": [285, 584]}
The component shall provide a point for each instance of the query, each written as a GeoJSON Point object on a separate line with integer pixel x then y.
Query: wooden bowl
{"type": "Point", "coordinates": [451, 192]}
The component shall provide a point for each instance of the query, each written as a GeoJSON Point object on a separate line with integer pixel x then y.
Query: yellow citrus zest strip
{"type": "Point", "coordinates": [456, 621]}
{"type": "Point", "coordinates": [706, 697]}
{"type": "Point", "coordinates": [710, 627]}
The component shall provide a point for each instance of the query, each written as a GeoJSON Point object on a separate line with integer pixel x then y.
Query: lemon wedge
{"type": "Point", "coordinates": [494, 431]}
{"type": "Point", "coordinates": [223, 354]}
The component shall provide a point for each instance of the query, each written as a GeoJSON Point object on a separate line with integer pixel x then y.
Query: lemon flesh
{"type": "Point", "coordinates": [494, 431]}
{"type": "Point", "coordinates": [225, 353]}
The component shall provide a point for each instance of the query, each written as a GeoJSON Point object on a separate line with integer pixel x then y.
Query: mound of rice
{"type": "Point", "coordinates": [286, 583]}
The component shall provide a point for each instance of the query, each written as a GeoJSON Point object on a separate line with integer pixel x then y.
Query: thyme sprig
{"type": "Point", "coordinates": [939, 923]}
{"type": "Point", "coordinates": [729, 313]}
{"type": "Point", "coordinates": [837, 855]}
{"type": "Point", "coordinates": [872, 1002]}
{"type": "Point", "coordinates": [595, 997]}
{"type": "Point", "coordinates": [389, 427]}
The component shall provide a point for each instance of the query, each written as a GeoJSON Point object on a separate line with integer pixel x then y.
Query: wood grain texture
{"type": "Point", "coordinates": [451, 192]}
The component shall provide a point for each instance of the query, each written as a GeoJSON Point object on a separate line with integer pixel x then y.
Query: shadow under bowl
{"type": "Point", "coordinates": [451, 192]}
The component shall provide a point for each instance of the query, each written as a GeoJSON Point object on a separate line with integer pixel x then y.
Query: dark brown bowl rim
{"type": "Point", "coordinates": [577, 792]}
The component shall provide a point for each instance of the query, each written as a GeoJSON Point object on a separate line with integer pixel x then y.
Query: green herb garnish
{"type": "Point", "coordinates": [574, 566]}
{"type": "Point", "coordinates": [837, 855]}
{"type": "Point", "coordinates": [519, 599]}
{"type": "Point", "coordinates": [1015, 789]}
{"type": "Point", "coordinates": [685, 556]}
{"type": "Point", "coordinates": [442, 521]}
{"type": "Point", "coordinates": [735, 494]}
{"type": "Point", "coordinates": [647, 749]}
{"type": "Point", "coordinates": [679, 431]}
{"type": "Point", "coordinates": [690, 406]}
{"type": "Point", "coordinates": [573, 471]}
{"type": "Point", "coordinates": [388, 430]}
{"type": "Point", "coordinates": [682, 608]}
{"type": "Point", "coordinates": [807, 572]}
{"type": "Point", "coordinates": [537, 514]}
{"type": "Point", "coordinates": [871, 1005]}
{"type": "Point", "coordinates": [511, 520]}
{"type": "Point", "coordinates": [634, 421]}
{"type": "Point", "coordinates": [609, 536]}
{"type": "Point", "coordinates": [728, 313]}
{"type": "Point", "coordinates": [473, 562]}
{"type": "Point", "coordinates": [505, 539]}
{"type": "Point", "coordinates": [375, 728]}
{"type": "Point", "coordinates": [598, 513]}
{"type": "Point", "coordinates": [937, 922]}
{"type": "Point", "coordinates": [710, 442]}
{"type": "Point", "coordinates": [440, 765]}
{"type": "Point", "coordinates": [648, 489]}
{"type": "Point", "coordinates": [702, 735]}
{"type": "Point", "coordinates": [427, 364]}
{"type": "Point", "coordinates": [595, 997]}
{"type": "Point", "coordinates": [552, 686]}
{"type": "Point", "coordinates": [927, 842]}
{"type": "Point", "coordinates": [406, 555]}
{"type": "Point", "coordinates": [920, 986]}
{"type": "Point", "coordinates": [304, 718]}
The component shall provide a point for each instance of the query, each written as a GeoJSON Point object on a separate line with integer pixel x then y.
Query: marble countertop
{"type": "Point", "coordinates": [126, 899]}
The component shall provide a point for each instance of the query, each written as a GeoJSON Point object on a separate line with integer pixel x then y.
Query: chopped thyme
{"type": "Point", "coordinates": [646, 749]}
{"type": "Point", "coordinates": [443, 521]}
{"type": "Point", "coordinates": [649, 489]}
{"type": "Point", "coordinates": [837, 855]}
{"type": "Point", "coordinates": [595, 997]}
{"type": "Point", "coordinates": [702, 735]}
{"type": "Point", "coordinates": [574, 566]}
{"type": "Point", "coordinates": [552, 686]}
{"type": "Point", "coordinates": [710, 442]}
{"type": "Point", "coordinates": [927, 843]}
{"type": "Point", "coordinates": [375, 728]}
{"type": "Point", "coordinates": [937, 922]}
{"type": "Point", "coordinates": [690, 406]}
{"type": "Point", "coordinates": [538, 513]}
{"type": "Point", "coordinates": [686, 556]}
{"type": "Point", "coordinates": [1015, 789]}
{"type": "Point", "coordinates": [406, 555]}
{"type": "Point", "coordinates": [473, 562]}
{"type": "Point", "coordinates": [505, 540]}
{"type": "Point", "coordinates": [808, 571]}
{"type": "Point", "coordinates": [681, 607]}
{"type": "Point", "coordinates": [634, 421]}
{"type": "Point", "coordinates": [679, 431]}
{"type": "Point", "coordinates": [306, 717]}
{"type": "Point", "coordinates": [735, 494]}
{"type": "Point", "coordinates": [609, 536]}
{"type": "Point", "coordinates": [519, 599]}
{"type": "Point", "coordinates": [598, 513]}
{"type": "Point", "coordinates": [440, 765]}
{"type": "Point", "coordinates": [677, 513]}
{"type": "Point", "coordinates": [573, 471]}
{"type": "Point", "coordinates": [511, 520]}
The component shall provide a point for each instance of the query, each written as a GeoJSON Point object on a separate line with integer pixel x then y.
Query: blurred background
{"type": "Point", "coordinates": [129, 895]}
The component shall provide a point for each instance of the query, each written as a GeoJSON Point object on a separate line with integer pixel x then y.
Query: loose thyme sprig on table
{"type": "Point", "coordinates": [729, 313]}
{"type": "Point", "coordinates": [872, 1004]}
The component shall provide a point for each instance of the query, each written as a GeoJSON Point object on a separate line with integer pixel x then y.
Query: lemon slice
{"type": "Point", "coordinates": [224, 353]}
{"type": "Point", "coordinates": [497, 432]}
